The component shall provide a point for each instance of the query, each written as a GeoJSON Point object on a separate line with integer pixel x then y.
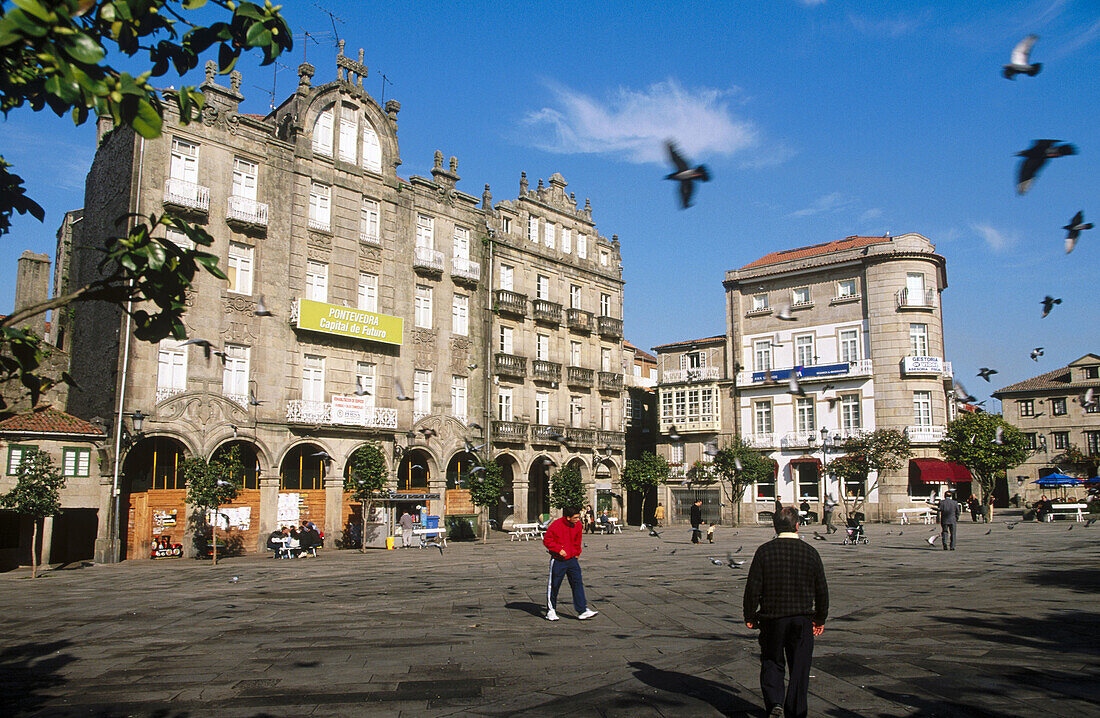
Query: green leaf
{"type": "Point", "coordinates": [258, 36]}
{"type": "Point", "coordinates": [193, 4]}
{"type": "Point", "coordinates": [35, 8]}
{"type": "Point", "coordinates": [83, 48]}
{"type": "Point", "coordinates": [147, 121]}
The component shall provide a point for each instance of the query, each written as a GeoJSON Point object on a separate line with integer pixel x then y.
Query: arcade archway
{"type": "Point", "coordinates": [302, 475]}
{"type": "Point", "coordinates": [154, 491]}
{"type": "Point", "coordinates": [538, 488]}
{"type": "Point", "coordinates": [241, 516]}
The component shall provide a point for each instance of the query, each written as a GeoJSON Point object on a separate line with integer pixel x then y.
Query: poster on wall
{"type": "Point", "coordinates": [237, 517]}
{"type": "Point", "coordinates": [287, 512]}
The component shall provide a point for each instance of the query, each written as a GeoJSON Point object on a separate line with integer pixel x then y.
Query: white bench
{"type": "Point", "coordinates": [926, 515]}
{"type": "Point", "coordinates": [439, 533]}
{"type": "Point", "coordinates": [525, 531]}
{"type": "Point", "coordinates": [611, 527]}
{"type": "Point", "coordinates": [1075, 510]}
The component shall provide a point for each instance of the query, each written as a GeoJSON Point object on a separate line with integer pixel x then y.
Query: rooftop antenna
{"type": "Point", "coordinates": [333, 18]}
{"type": "Point", "coordinates": [384, 81]}
{"type": "Point", "coordinates": [274, 79]}
{"type": "Point", "coordinates": [316, 37]}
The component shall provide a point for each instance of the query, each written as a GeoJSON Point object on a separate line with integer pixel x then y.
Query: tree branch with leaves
{"type": "Point", "coordinates": [879, 451]}
{"type": "Point", "coordinates": [739, 466]}
{"type": "Point", "coordinates": [644, 473]}
{"type": "Point", "coordinates": [987, 445]}
{"type": "Point", "coordinates": [367, 476]}
{"type": "Point", "coordinates": [37, 494]}
{"type": "Point", "coordinates": [211, 484]}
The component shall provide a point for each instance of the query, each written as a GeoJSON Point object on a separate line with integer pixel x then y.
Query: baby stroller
{"type": "Point", "coordinates": [854, 532]}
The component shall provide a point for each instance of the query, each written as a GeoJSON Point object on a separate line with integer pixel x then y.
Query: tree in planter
{"type": "Point", "coordinates": [37, 494]}
{"type": "Point", "coordinates": [739, 466]}
{"type": "Point", "coordinates": [212, 484]}
{"type": "Point", "coordinates": [970, 441]}
{"type": "Point", "coordinates": [367, 475]}
{"type": "Point", "coordinates": [566, 488]}
{"type": "Point", "coordinates": [485, 484]}
{"type": "Point", "coordinates": [53, 55]}
{"type": "Point", "coordinates": [644, 473]}
{"type": "Point", "coordinates": [880, 450]}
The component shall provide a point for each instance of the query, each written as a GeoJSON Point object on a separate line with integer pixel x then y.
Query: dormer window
{"type": "Point", "coordinates": [1092, 372]}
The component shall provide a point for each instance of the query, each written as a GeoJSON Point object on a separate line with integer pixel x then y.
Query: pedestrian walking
{"type": "Point", "coordinates": [949, 511]}
{"type": "Point", "coordinates": [787, 599]}
{"type": "Point", "coordinates": [827, 514]}
{"type": "Point", "coordinates": [406, 522]}
{"type": "Point", "coordinates": [659, 513]}
{"type": "Point", "coordinates": [975, 508]}
{"type": "Point", "coordinates": [563, 539]}
{"type": "Point", "coordinates": [710, 533]}
{"type": "Point", "coordinates": [696, 519]}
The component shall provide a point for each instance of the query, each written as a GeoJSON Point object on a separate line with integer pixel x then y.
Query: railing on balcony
{"type": "Point", "coordinates": [580, 437]}
{"type": "Point", "coordinates": [578, 376]}
{"type": "Point", "coordinates": [546, 370]}
{"type": "Point", "coordinates": [610, 327]}
{"type": "Point", "coordinates": [809, 374]}
{"type": "Point", "coordinates": [246, 211]}
{"type": "Point", "coordinates": [241, 399]}
{"type": "Point", "coordinates": [511, 302]}
{"type": "Point", "coordinates": [316, 412]}
{"type": "Point", "coordinates": [916, 298]}
{"type": "Point", "coordinates": [544, 433]}
{"type": "Point", "coordinates": [182, 193]}
{"type": "Point", "coordinates": [320, 224]}
{"type": "Point", "coordinates": [614, 439]}
{"type": "Point", "coordinates": [164, 393]}
{"type": "Point", "coordinates": [509, 431]}
{"type": "Point", "coordinates": [610, 381]}
{"type": "Point", "coordinates": [367, 236]}
{"type": "Point", "coordinates": [510, 364]}
{"type": "Point", "coordinates": [799, 439]}
{"type": "Point", "coordinates": [465, 270]}
{"type": "Point", "coordinates": [579, 319]}
{"type": "Point", "coordinates": [428, 259]}
{"type": "Point", "coordinates": [925, 434]}
{"type": "Point", "coordinates": [702, 373]}
{"type": "Point", "coordinates": [760, 441]}
{"type": "Point", "coordinates": [545, 311]}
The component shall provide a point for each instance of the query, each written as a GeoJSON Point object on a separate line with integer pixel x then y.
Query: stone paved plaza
{"type": "Point", "coordinates": [1008, 625]}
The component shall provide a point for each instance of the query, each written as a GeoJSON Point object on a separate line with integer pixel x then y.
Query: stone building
{"type": "Point", "coordinates": [640, 419]}
{"type": "Point", "coordinates": [400, 318]}
{"type": "Point", "coordinates": [1051, 411]}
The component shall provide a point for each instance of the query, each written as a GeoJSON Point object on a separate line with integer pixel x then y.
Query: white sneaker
{"type": "Point", "coordinates": [551, 615]}
{"type": "Point", "coordinates": [588, 613]}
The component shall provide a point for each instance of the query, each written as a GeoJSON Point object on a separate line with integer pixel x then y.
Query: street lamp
{"type": "Point", "coordinates": [824, 457]}
{"type": "Point", "coordinates": [138, 420]}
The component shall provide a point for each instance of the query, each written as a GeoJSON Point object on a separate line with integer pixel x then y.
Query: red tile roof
{"type": "Point", "coordinates": [814, 250]}
{"type": "Point", "coordinates": [1058, 379]}
{"type": "Point", "coordinates": [639, 352]}
{"type": "Point", "coordinates": [48, 421]}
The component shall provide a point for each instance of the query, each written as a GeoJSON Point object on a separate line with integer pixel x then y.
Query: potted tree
{"type": "Point", "coordinates": [37, 494]}
{"type": "Point", "coordinates": [212, 484]}
{"type": "Point", "coordinates": [367, 476]}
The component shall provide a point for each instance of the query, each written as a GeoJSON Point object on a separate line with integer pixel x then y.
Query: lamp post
{"type": "Point", "coordinates": [824, 461]}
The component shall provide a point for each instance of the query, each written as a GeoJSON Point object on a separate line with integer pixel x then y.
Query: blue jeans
{"type": "Point", "coordinates": [559, 569]}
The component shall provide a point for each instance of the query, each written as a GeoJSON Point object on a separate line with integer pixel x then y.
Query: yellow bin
{"type": "Point", "coordinates": [389, 542]}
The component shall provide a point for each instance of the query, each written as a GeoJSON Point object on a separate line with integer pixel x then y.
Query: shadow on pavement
{"type": "Point", "coordinates": [1064, 631]}
{"type": "Point", "coordinates": [722, 698]}
{"type": "Point", "coordinates": [29, 668]}
{"type": "Point", "coordinates": [1083, 580]}
{"type": "Point", "coordinates": [526, 606]}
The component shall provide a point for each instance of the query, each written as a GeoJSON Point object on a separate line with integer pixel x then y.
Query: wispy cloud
{"type": "Point", "coordinates": [811, 3]}
{"type": "Point", "coordinates": [996, 239]}
{"type": "Point", "coordinates": [1085, 37]}
{"type": "Point", "coordinates": [633, 124]}
{"type": "Point", "coordinates": [892, 27]}
{"type": "Point", "coordinates": [868, 215]}
{"type": "Point", "coordinates": [825, 204]}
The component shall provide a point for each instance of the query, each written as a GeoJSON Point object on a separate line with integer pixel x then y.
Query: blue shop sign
{"type": "Point", "coordinates": [804, 372]}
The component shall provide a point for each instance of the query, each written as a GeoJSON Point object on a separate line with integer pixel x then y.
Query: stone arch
{"type": "Point", "coordinates": [301, 469]}
{"type": "Point", "coordinates": [507, 513]}
{"type": "Point", "coordinates": [249, 458]}
{"type": "Point", "coordinates": [538, 487]}
{"type": "Point", "coordinates": [416, 470]}
{"type": "Point", "coordinates": [152, 493]}
{"type": "Point", "coordinates": [153, 463]}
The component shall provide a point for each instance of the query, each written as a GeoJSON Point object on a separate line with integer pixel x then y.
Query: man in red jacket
{"type": "Point", "coordinates": [563, 541]}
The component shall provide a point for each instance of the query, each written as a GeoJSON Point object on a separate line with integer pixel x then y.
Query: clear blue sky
{"type": "Point", "coordinates": [818, 120]}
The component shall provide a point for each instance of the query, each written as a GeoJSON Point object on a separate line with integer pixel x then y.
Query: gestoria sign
{"type": "Point", "coordinates": [345, 322]}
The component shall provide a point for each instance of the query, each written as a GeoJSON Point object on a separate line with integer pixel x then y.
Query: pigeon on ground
{"type": "Point", "coordinates": [715, 561]}
{"type": "Point", "coordinates": [739, 549]}
{"type": "Point", "coordinates": [1070, 527]}
{"type": "Point", "coordinates": [684, 174]}
{"type": "Point", "coordinates": [207, 347]}
{"type": "Point", "coordinates": [673, 434]}
{"type": "Point", "coordinates": [252, 400]}
{"type": "Point", "coordinates": [819, 537]}
{"type": "Point", "coordinates": [931, 540]}
{"type": "Point", "coordinates": [654, 532]}
{"type": "Point", "coordinates": [784, 313]}
{"type": "Point", "coordinates": [1048, 304]}
{"type": "Point", "coordinates": [235, 579]}
{"type": "Point", "coordinates": [1074, 229]}
{"type": "Point", "coordinates": [1020, 62]}
{"type": "Point", "coordinates": [989, 532]}
{"type": "Point", "coordinates": [360, 390]}
{"type": "Point", "coordinates": [985, 372]}
{"type": "Point", "coordinates": [1036, 353]}
{"type": "Point", "coordinates": [400, 390]}
{"type": "Point", "coordinates": [1089, 522]}
{"type": "Point", "coordinates": [999, 436]}
{"type": "Point", "coordinates": [1035, 157]}
{"type": "Point", "coordinates": [261, 308]}
{"type": "Point", "coordinates": [1011, 525]}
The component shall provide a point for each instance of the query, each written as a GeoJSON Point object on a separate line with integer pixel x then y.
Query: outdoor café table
{"type": "Point", "coordinates": [924, 514]}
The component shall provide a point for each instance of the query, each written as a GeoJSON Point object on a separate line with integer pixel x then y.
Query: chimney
{"type": "Point", "coordinates": [32, 286]}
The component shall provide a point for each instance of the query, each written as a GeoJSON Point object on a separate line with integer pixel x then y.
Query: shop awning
{"type": "Point", "coordinates": [805, 460]}
{"type": "Point", "coordinates": [938, 471]}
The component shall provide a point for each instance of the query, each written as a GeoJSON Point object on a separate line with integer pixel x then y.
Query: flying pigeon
{"type": "Point", "coordinates": [998, 436]}
{"type": "Point", "coordinates": [261, 308]}
{"type": "Point", "coordinates": [673, 434]}
{"type": "Point", "coordinates": [234, 428]}
{"type": "Point", "coordinates": [322, 455]}
{"type": "Point", "coordinates": [1020, 63]}
{"type": "Point", "coordinates": [1074, 229]}
{"type": "Point", "coordinates": [207, 347]}
{"type": "Point", "coordinates": [684, 174]}
{"type": "Point", "coordinates": [1048, 304]}
{"type": "Point", "coordinates": [475, 425]}
{"type": "Point", "coordinates": [1036, 353]}
{"type": "Point", "coordinates": [985, 372]}
{"type": "Point", "coordinates": [768, 378]}
{"type": "Point", "coordinates": [471, 449]}
{"type": "Point", "coordinates": [1035, 157]}
{"type": "Point", "coordinates": [1088, 399]}
{"type": "Point", "coordinates": [252, 400]}
{"type": "Point", "coordinates": [711, 448]}
{"type": "Point", "coordinates": [439, 545]}
{"type": "Point", "coordinates": [784, 313]}
{"type": "Point", "coordinates": [558, 437]}
{"type": "Point", "coordinates": [427, 432]}
{"type": "Point", "coordinates": [737, 463]}
{"type": "Point", "coordinates": [400, 390]}
{"type": "Point", "coordinates": [793, 387]}
{"type": "Point", "coordinates": [472, 366]}
{"type": "Point", "coordinates": [360, 390]}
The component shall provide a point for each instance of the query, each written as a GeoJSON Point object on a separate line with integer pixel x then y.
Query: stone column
{"type": "Point", "coordinates": [106, 545]}
{"type": "Point", "coordinates": [519, 499]}
{"type": "Point", "coordinates": [46, 540]}
{"type": "Point", "coordinates": [269, 506]}
{"type": "Point", "coordinates": [334, 508]}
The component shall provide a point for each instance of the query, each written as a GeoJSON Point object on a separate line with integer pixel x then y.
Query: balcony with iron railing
{"type": "Point", "coordinates": [610, 381]}
{"type": "Point", "coordinates": [808, 374]}
{"type": "Point", "coordinates": [463, 270]}
{"type": "Point", "coordinates": [369, 236]}
{"type": "Point", "coordinates": [579, 376]}
{"type": "Point", "coordinates": [925, 434]}
{"type": "Point", "coordinates": [546, 311]}
{"type": "Point", "coordinates": [316, 412]}
{"type": "Point", "coordinates": [916, 298]}
{"type": "Point", "coordinates": [427, 259]}
{"type": "Point", "coordinates": [181, 193]}
{"type": "Point", "coordinates": [505, 300]}
{"type": "Point", "coordinates": [760, 441]}
{"type": "Point", "coordinates": [164, 393]}
{"type": "Point", "coordinates": [514, 431]}
{"type": "Point", "coordinates": [610, 327]}
{"type": "Point", "coordinates": [578, 319]}
{"type": "Point", "coordinates": [580, 437]}
{"type": "Point", "coordinates": [700, 373]}
{"type": "Point", "coordinates": [241, 399]}
{"type": "Point", "coordinates": [509, 364]}
{"type": "Point", "coordinates": [546, 370]}
{"type": "Point", "coordinates": [614, 439]}
{"type": "Point", "coordinates": [545, 433]}
{"type": "Point", "coordinates": [320, 224]}
{"type": "Point", "coordinates": [245, 211]}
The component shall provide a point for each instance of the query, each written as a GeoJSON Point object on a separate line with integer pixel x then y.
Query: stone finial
{"type": "Point", "coordinates": [392, 108]}
{"type": "Point", "coordinates": [305, 72]}
{"type": "Point", "coordinates": [573, 199]}
{"type": "Point", "coordinates": [235, 81]}
{"type": "Point", "coordinates": [539, 188]}
{"type": "Point", "coordinates": [587, 204]}
{"type": "Point", "coordinates": [360, 56]}
{"type": "Point", "coordinates": [454, 164]}
{"type": "Point", "coordinates": [614, 239]}
{"type": "Point", "coordinates": [523, 183]}
{"type": "Point", "coordinates": [340, 48]}
{"type": "Point", "coordinates": [556, 180]}
{"type": "Point", "coordinates": [211, 69]}
{"type": "Point", "coordinates": [438, 160]}
{"type": "Point", "coordinates": [486, 198]}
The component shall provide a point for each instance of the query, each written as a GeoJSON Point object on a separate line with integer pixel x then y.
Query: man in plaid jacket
{"type": "Point", "coordinates": [787, 598]}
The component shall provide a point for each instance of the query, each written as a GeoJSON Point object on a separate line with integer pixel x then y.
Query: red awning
{"type": "Point", "coordinates": [938, 471]}
{"type": "Point", "coordinates": [805, 460]}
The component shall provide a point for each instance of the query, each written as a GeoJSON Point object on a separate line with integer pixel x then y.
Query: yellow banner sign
{"type": "Point", "coordinates": [345, 322]}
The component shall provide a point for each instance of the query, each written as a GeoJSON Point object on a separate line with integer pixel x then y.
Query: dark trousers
{"type": "Point", "coordinates": [788, 640]}
{"type": "Point", "coordinates": [945, 530]}
{"type": "Point", "coordinates": [559, 569]}
{"type": "Point", "coordinates": [827, 520]}
{"type": "Point", "coordinates": [696, 534]}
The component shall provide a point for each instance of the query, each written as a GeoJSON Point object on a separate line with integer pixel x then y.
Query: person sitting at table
{"type": "Point", "coordinates": [1042, 508]}
{"type": "Point", "coordinates": [293, 542]}
{"type": "Point", "coordinates": [309, 537]}
{"type": "Point", "coordinates": [605, 521]}
{"type": "Point", "coordinates": [276, 540]}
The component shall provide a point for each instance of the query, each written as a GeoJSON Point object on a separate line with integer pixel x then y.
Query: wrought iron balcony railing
{"type": "Point", "coordinates": [465, 270]}
{"type": "Point", "coordinates": [246, 211]}
{"type": "Point", "coordinates": [181, 193]}
{"type": "Point", "coordinates": [428, 259]}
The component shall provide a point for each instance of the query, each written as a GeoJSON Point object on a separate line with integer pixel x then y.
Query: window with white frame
{"type": "Point", "coordinates": [605, 258]}
{"type": "Point", "coordinates": [368, 292]}
{"type": "Point", "coordinates": [1026, 407]}
{"type": "Point", "coordinates": [605, 359]}
{"type": "Point", "coordinates": [542, 347]}
{"type": "Point", "coordinates": [460, 315]}
{"type": "Point", "coordinates": [759, 302]}
{"type": "Point", "coordinates": [542, 408]}
{"type": "Point", "coordinates": [846, 288]}
{"type": "Point", "coordinates": [765, 490]}
{"type": "Point", "coordinates": [507, 274]}
{"type": "Point", "coordinates": [505, 340]}
{"type": "Point", "coordinates": [239, 269]}
{"type": "Point", "coordinates": [548, 235]}
{"type": "Point", "coordinates": [462, 243]}
{"type": "Point", "coordinates": [574, 353]}
{"type": "Point", "coordinates": [576, 411]}
{"type": "Point", "coordinates": [184, 164]}
{"type": "Point", "coordinates": [800, 295]}
{"type": "Point", "coordinates": [313, 378]}
{"type": "Point", "coordinates": [372, 149]}
{"type": "Point", "coordinates": [1061, 440]}
{"type": "Point", "coordinates": [693, 360]}
{"type": "Point", "coordinates": [320, 206]}
{"type": "Point", "coordinates": [689, 406]}
{"type": "Point", "coordinates": [922, 408]}
{"type": "Point", "coordinates": [850, 419]}
{"type": "Point", "coordinates": [804, 415]}
{"type": "Point", "coordinates": [849, 345]}
{"type": "Point", "coordinates": [235, 372]}
{"type": "Point", "coordinates": [605, 415]}
{"type": "Point", "coordinates": [422, 392]}
{"type": "Point", "coordinates": [763, 351]}
{"type": "Point", "coordinates": [316, 281]}
{"type": "Point", "coordinates": [76, 461]}
{"type": "Point", "coordinates": [347, 134]}
{"type": "Point", "coordinates": [605, 304]}
{"type": "Point", "coordinates": [763, 417]}
{"type": "Point", "coordinates": [178, 238]}
{"type": "Point", "coordinates": [458, 397]}
{"type": "Point", "coordinates": [542, 287]}
{"type": "Point", "coordinates": [244, 179]}
{"type": "Point", "coordinates": [369, 222]}
{"type": "Point", "coordinates": [566, 240]}
{"type": "Point", "coordinates": [423, 306]}
{"type": "Point", "coordinates": [918, 340]}
{"type": "Point", "coordinates": [364, 381]}
{"type": "Point", "coordinates": [506, 225]}
{"type": "Point", "coordinates": [1058, 406]}
{"type": "Point", "coordinates": [676, 454]}
{"type": "Point", "coordinates": [171, 366]}
{"type": "Point", "coordinates": [322, 133]}
{"type": "Point", "coordinates": [574, 296]}
{"type": "Point", "coordinates": [425, 231]}
{"type": "Point", "coordinates": [582, 246]}
{"type": "Point", "coordinates": [804, 350]}
{"type": "Point", "coordinates": [504, 403]}
{"type": "Point", "coordinates": [533, 229]}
